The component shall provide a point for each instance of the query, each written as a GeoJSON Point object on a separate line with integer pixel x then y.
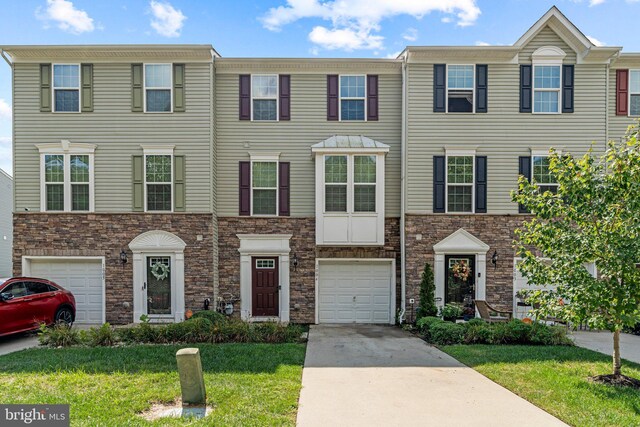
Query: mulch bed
{"type": "Point", "coordinates": [616, 380]}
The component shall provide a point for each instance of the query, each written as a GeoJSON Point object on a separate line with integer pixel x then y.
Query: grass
{"type": "Point", "coordinates": [247, 384]}
{"type": "Point", "coordinates": [555, 379]}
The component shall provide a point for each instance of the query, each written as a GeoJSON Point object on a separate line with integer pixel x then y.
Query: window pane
{"type": "Point", "coordinates": [634, 105]}
{"type": "Point", "coordinates": [264, 202]}
{"type": "Point", "coordinates": [54, 168]}
{"type": "Point", "coordinates": [335, 198]}
{"type": "Point", "coordinates": [634, 81]}
{"type": "Point", "coordinates": [67, 76]}
{"type": "Point", "coordinates": [264, 174]}
{"type": "Point", "coordinates": [545, 188]}
{"type": "Point", "coordinates": [352, 109]}
{"type": "Point", "coordinates": [541, 173]}
{"type": "Point", "coordinates": [364, 169]}
{"type": "Point", "coordinates": [158, 100]}
{"type": "Point", "coordinates": [460, 169]}
{"type": "Point", "coordinates": [460, 101]}
{"type": "Point", "coordinates": [545, 102]}
{"type": "Point", "coordinates": [264, 86]}
{"type": "Point", "coordinates": [79, 168]}
{"type": "Point", "coordinates": [335, 169]}
{"type": "Point", "coordinates": [547, 77]}
{"type": "Point", "coordinates": [159, 197]}
{"type": "Point", "coordinates": [67, 100]}
{"type": "Point", "coordinates": [158, 168]}
{"type": "Point", "coordinates": [34, 288]}
{"type": "Point", "coordinates": [55, 197]}
{"type": "Point", "coordinates": [80, 197]}
{"type": "Point", "coordinates": [157, 75]}
{"type": "Point", "coordinates": [264, 109]}
{"type": "Point", "coordinates": [460, 77]}
{"type": "Point", "coordinates": [364, 198]}
{"type": "Point", "coordinates": [352, 87]}
{"type": "Point", "coordinates": [460, 198]}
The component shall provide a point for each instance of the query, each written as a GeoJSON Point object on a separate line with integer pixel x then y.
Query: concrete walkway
{"type": "Point", "coordinates": [602, 342]}
{"type": "Point", "coordinates": [382, 376]}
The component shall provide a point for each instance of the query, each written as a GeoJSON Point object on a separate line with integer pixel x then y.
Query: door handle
{"type": "Point", "coordinates": [144, 286]}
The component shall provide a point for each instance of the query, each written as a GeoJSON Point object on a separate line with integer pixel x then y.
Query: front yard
{"type": "Point", "coordinates": [554, 378]}
{"type": "Point", "coordinates": [247, 384]}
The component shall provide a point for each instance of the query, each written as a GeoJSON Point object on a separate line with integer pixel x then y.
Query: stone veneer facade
{"type": "Point", "coordinates": [303, 244]}
{"type": "Point", "coordinates": [497, 231]}
{"type": "Point", "coordinates": [63, 234]}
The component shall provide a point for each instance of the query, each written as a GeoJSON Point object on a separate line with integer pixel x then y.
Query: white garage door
{"type": "Point", "coordinates": [82, 278]}
{"type": "Point", "coordinates": [354, 292]}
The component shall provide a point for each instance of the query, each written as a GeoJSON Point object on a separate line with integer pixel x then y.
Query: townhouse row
{"type": "Point", "coordinates": [152, 180]}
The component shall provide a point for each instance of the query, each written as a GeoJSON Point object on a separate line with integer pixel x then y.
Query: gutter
{"type": "Point", "coordinates": [403, 185]}
{"type": "Point", "coordinates": [7, 60]}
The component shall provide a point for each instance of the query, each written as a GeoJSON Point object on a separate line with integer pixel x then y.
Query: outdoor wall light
{"type": "Point", "coordinates": [123, 257]}
{"type": "Point", "coordinates": [494, 259]}
{"type": "Point", "coordinates": [294, 262]}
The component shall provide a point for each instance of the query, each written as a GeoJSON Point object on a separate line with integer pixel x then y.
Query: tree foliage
{"type": "Point", "coordinates": [427, 305]}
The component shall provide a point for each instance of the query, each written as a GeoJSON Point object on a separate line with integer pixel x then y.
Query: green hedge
{"type": "Point", "coordinates": [201, 328]}
{"type": "Point", "coordinates": [477, 331]}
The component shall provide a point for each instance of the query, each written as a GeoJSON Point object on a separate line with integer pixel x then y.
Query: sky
{"type": "Point", "coordinates": [295, 28]}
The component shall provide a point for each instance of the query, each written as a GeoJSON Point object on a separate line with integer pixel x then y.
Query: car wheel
{"type": "Point", "coordinates": [64, 316]}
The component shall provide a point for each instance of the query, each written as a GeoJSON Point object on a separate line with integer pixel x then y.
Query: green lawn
{"type": "Point", "coordinates": [247, 384]}
{"type": "Point", "coordinates": [555, 379]}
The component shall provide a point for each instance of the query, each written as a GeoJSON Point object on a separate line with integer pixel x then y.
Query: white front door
{"type": "Point", "coordinates": [355, 292]}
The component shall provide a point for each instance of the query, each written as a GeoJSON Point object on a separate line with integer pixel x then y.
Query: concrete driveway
{"type": "Point", "coordinates": [17, 342]}
{"type": "Point", "coordinates": [602, 342]}
{"type": "Point", "coordinates": [382, 376]}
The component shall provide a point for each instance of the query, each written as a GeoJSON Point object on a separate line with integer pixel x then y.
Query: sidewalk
{"type": "Point", "coordinates": [602, 342]}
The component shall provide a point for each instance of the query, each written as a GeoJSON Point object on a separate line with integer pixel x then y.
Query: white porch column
{"type": "Point", "coordinates": [245, 286]}
{"type": "Point", "coordinates": [481, 281]}
{"type": "Point", "coordinates": [138, 282]}
{"type": "Point", "coordinates": [439, 278]}
{"type": "Point", "coordinates": [179, 287]}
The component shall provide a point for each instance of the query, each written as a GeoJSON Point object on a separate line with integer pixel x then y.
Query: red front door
{"type": "Point", "coordinates": [265, 284]}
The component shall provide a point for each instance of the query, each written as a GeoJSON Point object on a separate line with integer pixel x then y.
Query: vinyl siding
{"type": "Point", "coordinates": [293, 139]}
{"type": "Point", "coordinates": [618, 124]}
{"type": "Point", "coordinates": [502, 134]}
{"type": "Point", "coordinates": [6, 224]}
{"type": "Point", "coordinates": [547, 37]}
{"type": "Point", "coordinates": [118, 134]}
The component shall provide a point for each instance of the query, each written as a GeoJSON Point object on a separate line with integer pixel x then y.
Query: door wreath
{"type": "Point", "coordinates": [160, 271]}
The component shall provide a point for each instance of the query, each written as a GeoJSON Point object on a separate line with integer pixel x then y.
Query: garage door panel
{"type": "Point", "coordinates": [369, 283]}
{"type": "Point", "coordinates": [82, 277]}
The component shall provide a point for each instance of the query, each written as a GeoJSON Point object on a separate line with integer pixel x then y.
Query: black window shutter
{"type": "Point", "coordinates": [372, 97]}
{"type": "Point", "coordinates": [283, 189]}
{"type": "Point", "coordinates": [567, 88]}
{"type": "Point", "coordinates": [481, 184]}
{"type": "Point", "coordinates": [245, 97]}
{"type": "Point", "coordinates": [481, 88]}
{"type": "Point", "coordinates": [285, 97]}
{"type": "Point", "coordinates": [245, 189]}
{"type": "Point", "coordinates": [439, 182]}
{"type": "Point", "coordinates": [333, 93]}
{"type": "Point", "coordinates": [526, 88]}
{"type": "Point", "coordinates": [439, 88]}
{"type": "Point", "coordinates": [524, 168]}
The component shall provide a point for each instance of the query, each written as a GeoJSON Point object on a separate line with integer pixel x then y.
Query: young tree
{"type": "Point", "coordinates": [593, 217]}
{"type": "Point", "coordinates": [427, 306]}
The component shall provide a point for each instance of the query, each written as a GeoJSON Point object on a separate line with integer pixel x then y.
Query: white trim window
{"type": "Point", "coordinates": [158, 88]}
{"type": "Point", "coordinates": [460, 184]}
{"type": "Point", "coordinates": [264, 187]}
{"type": "Point", "coordinates": [264, 97]}
{"type": "Point", "coordinates": [66, 88]}
{"type": "Point", "coordinates": [541, 175]}
{"type": "Point", "coordinates": [461, 88]}
{"type": "Point", "coordinates": [634, 92]}
{"type": "Point", "coordinates": [350, 183]}
{"type": "Point", "coordinates": [547, 93]}
{"type": "Point", "coordinates": [353, 98]}
{"type": "Point", "coordinates": [67, 182]}
{"type": "Point", "coordinates": [158, 176]}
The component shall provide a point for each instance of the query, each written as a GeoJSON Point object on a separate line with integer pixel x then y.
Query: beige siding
{"type": "Point", "coordinates": [118, 134]}
{"type": "Point", "coordinates": [547, 37]}
{"type": "Point", "coordinates": [502, 134]}
{"type": "Point", "coordinates": [293, 139]}
{"type": "Point", "coordinates": [618, 124]}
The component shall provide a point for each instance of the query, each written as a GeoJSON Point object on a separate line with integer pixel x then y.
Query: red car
{"type": "Point", "coordinates": [26, 302]}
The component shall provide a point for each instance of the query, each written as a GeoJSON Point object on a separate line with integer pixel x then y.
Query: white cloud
{"type": "Point", "coordinates": [6, 154]}
{"type": "Point", "coordinates": [481, 43]}
{"type": "Point", "coordinates": [67, 17]}
{"type": "Point", "coordinates": [446, 19]}
{"type": "Point", "coordinates": [5, 110]}
{"type": "Point", "coordinates": [411, 34]}
{"type": "Point", "coordinates": [355, 24]}
{"type": "Point", "coordinates": [595, 41]}
{"type": "Point", "coordinates": [595, 2]}
{"type": "Point", "coordinates": [167, 20]}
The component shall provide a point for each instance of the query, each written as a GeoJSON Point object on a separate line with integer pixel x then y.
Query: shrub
{"type": "Point", "coordinates": [190, 331]}
{"type": "Point", "coordinates": [451, 311]}
{"type": "Point", "coordinates": [478, 333]}
{"type": "Point", "coordinates": [446, 333]}
{"type": "Point", "coordinates": [58, 335]}
{"type": "Point", "coordinates": [513, 332]}
{"type": "Point", "coordinates": [102, 336]}
{"type": "Point", "coordinates": [213, 316]}
{"type": "Point", "coordinates": [427, 305]}
{"type": "Point", "coordinates": [475, 321]}
{"type": "Point", "coordinates": [542, 334]}
{"type": "Point", "coordinates": [424, 324]}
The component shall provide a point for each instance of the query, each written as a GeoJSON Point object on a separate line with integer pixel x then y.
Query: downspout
{"type": "Point", "coordinates": [403, 276]}
{"type": "Point", "coordinates": [606, 107]}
